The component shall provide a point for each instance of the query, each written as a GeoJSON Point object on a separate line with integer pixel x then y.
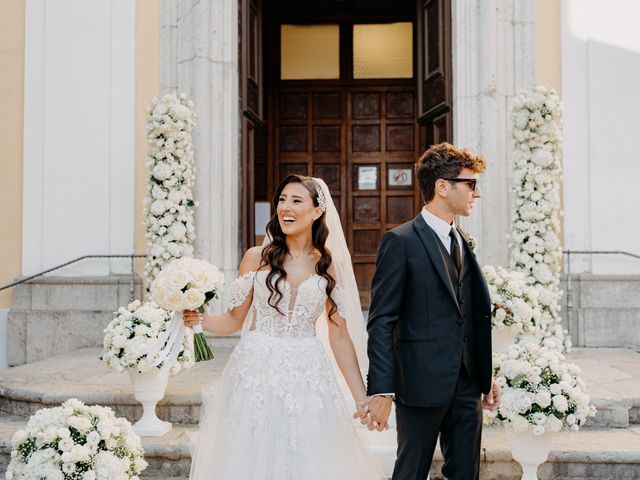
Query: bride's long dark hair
{"type": "Point", "coordinates": [275, 253]}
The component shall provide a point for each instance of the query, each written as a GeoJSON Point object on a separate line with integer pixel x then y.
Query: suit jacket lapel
{"type": "Point", "coordinates": [473, 263]}
{"type": "Point", "coordinates": [429, 239]}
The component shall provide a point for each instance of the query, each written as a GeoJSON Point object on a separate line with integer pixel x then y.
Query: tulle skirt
{"type": "Point", "coordinates": [277, 413]}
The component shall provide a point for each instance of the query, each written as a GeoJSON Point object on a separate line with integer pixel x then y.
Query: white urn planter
{"type": "Point", "coordinates": [529, 450]}
{"type": "Point", "coordinates": [502, 339]}
{"type": "Point", "coordinates": [148, 389]}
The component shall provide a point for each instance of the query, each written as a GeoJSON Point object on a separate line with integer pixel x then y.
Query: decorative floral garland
{"type": "Point", "coordinates": [514, 302]}
{"type": "Point", "coordinates": [169, 205]}
{"type": "Point", "coordinates": [535, 231]}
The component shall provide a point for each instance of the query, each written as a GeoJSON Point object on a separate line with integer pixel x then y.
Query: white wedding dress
{"type": "Point", "coordinates": [277, 413]}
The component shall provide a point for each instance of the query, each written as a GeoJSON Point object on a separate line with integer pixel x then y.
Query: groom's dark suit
{"type": "Point", "coordinates": [430, 344]}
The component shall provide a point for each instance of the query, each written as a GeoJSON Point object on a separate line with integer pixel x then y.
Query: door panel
{"type": "Point", "coordinates": [352, 137]}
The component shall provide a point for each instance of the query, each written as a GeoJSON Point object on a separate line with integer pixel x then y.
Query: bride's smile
{"type": "Point", "coordinates": [296, 210]}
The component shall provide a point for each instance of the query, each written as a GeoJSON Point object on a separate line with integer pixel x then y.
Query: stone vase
{"type": "Point", "coordinates": [502, 339]}
{"type": "Point", "coordinates": [148, 389]}
{"type": "Point", "coordinates": [529, 450]}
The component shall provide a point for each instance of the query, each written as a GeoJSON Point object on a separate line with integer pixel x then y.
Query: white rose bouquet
{"type": "Point", "coordinates": [514, 302]}
{"type": "Point", "coordinates": [75, 441]}
{"type": "Point", "coordinates": [189, 284]}
{"type": "Point", "coordinates": [540, 391]}
{"type": "Point", "coordinates": [132, 335]}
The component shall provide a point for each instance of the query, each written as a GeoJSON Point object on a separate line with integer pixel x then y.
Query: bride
{"type": "Point", "coordinates": [278, 412]}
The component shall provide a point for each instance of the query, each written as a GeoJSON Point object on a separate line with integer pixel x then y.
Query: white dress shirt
{"type": "Point", "coordinates": [442, 229]}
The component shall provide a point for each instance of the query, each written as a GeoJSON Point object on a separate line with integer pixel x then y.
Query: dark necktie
{"type": "Point", "coordinates": [455, 250]}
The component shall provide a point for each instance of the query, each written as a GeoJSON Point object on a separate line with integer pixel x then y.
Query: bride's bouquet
{"type": "Point", "coordinates": [76, 441]}
{"type": "Point", "coordinates": [189, 284]}
{"type": "Point", "coordinates": [130, 337]}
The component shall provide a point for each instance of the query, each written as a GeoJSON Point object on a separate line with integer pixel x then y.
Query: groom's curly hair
{"type": "Point", "coordinates": [444, 161]}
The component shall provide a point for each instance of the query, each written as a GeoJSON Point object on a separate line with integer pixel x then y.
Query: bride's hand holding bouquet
{"type": "Point", "coordinates": [188, 285]}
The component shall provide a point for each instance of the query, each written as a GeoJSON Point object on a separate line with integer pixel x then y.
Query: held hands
{"type": "Point", "coordinates": [374, 412]}
{"type": "Point", "coordinates": [491, 401]}
{"type": "Point", "coordinates": [192, 317]}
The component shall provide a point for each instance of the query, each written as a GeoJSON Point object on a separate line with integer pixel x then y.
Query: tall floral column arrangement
{"type": "Point", "coordinates": [535, 232]}
{"type": "Point", "coordinates": [169, 205]}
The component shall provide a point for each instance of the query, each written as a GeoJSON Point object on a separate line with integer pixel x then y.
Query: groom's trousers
{"type": "Point", "coordinates": [459, 424]}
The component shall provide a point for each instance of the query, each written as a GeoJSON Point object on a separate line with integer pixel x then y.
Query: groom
{"type": "Point", "coordinates": [429, 326]}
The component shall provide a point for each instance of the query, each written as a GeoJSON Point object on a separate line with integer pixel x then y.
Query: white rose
{"type": "Point", "coordinates": [177, 231]}
{"type": "Point", "coordinates": [160, 109]}
{"type": "Point", "coordinates": [158, 207]}
{"type": "Point", "coordinates": [560, 403]}
{"type": "Point", "coordinates": [193, 299]}
{"type": "Point", "coordinates": [177, 279]}
{"type": "Point", "coordinates": [174, 301]}
{"type": "Point", "coordinates": [162, 171]}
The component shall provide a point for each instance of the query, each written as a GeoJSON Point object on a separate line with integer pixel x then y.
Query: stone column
{"type": "Point", "coordinates": [199, 56]}
{"type": "Point", "coordinates": [493, 58]}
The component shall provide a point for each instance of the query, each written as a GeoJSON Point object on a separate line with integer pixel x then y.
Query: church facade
{"type": "Point", "coordinates": [350, 91]}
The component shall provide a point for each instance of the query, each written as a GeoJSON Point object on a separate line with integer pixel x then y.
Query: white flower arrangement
{"type": "Point", "coordinates": [514, 302]}
{"type": "Point", "coordinates": [75, 441]}
{"type": "Point", "coordinates": [189, 284]}
{"type": "Point", "coordinates": [540, 391]}
{"type": "Point", "coordinates": [535, 231]}
{"type": "Point", "coordinates": [135, 329]}
{"type": "Point", "coordinates": [169, 204]}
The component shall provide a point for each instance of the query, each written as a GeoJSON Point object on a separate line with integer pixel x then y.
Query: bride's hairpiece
{"type": "Point", "coordinates": [322, 200]}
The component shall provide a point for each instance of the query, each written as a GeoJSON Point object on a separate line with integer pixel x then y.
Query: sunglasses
{"type": "Point", "coordinates": [471, 182]}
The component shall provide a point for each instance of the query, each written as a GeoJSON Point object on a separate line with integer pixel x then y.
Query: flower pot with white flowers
{"type": "Point", "coordinates": [541, 394]}
{"type": "Point", "coordinates": [142, 340]}
{"type": "Point", "coordinates": [76, 441]}
{"type": "Point", "coordinates": [515, 312]}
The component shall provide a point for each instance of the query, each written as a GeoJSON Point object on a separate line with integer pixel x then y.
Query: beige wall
{"type": "Point", "coordinates": [147, 86]}
{"type": "Point", "coordinates": [11, 131]}
{"type": "Point", "coordinates": [547, 44]}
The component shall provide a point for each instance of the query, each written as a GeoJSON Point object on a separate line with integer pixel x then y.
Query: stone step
{"type": "Point", "coordinates": [51, 293]}
{"type": "Point", "coordinates": [55, 315]}
{"type": "Point", "coordinates": [596, 454]}
{"type": "Point", "coordinates": [612, 375]}
{"type": "Point", "coordinates": [27, 388]}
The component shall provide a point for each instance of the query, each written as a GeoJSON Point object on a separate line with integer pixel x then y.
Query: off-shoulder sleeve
{"type": "Point", "coordinates": [240, 289]}
{"type": "Point", "coordinates": [337, 295]}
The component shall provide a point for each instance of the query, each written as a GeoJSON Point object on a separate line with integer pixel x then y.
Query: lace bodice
{"type": "Point", "coordinates": [301, 305]}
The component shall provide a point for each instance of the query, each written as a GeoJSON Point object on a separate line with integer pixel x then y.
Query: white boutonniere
{"type": "Point", "coordinates": [473, 243]}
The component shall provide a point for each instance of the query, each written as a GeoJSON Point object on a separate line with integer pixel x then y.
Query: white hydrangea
{"type": "Point", "coordinates": [514, 302]}
{"type": "Point", "coordinates": [134, 329]}
{"type": "Point", "coordinates": [169, 204]}
{"type": "Point", "coordinates": [540, 391]}
{"type": "Point", "coordinates": [63, 443]}
{"type": "Point", "coordinates": [535, 230]}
